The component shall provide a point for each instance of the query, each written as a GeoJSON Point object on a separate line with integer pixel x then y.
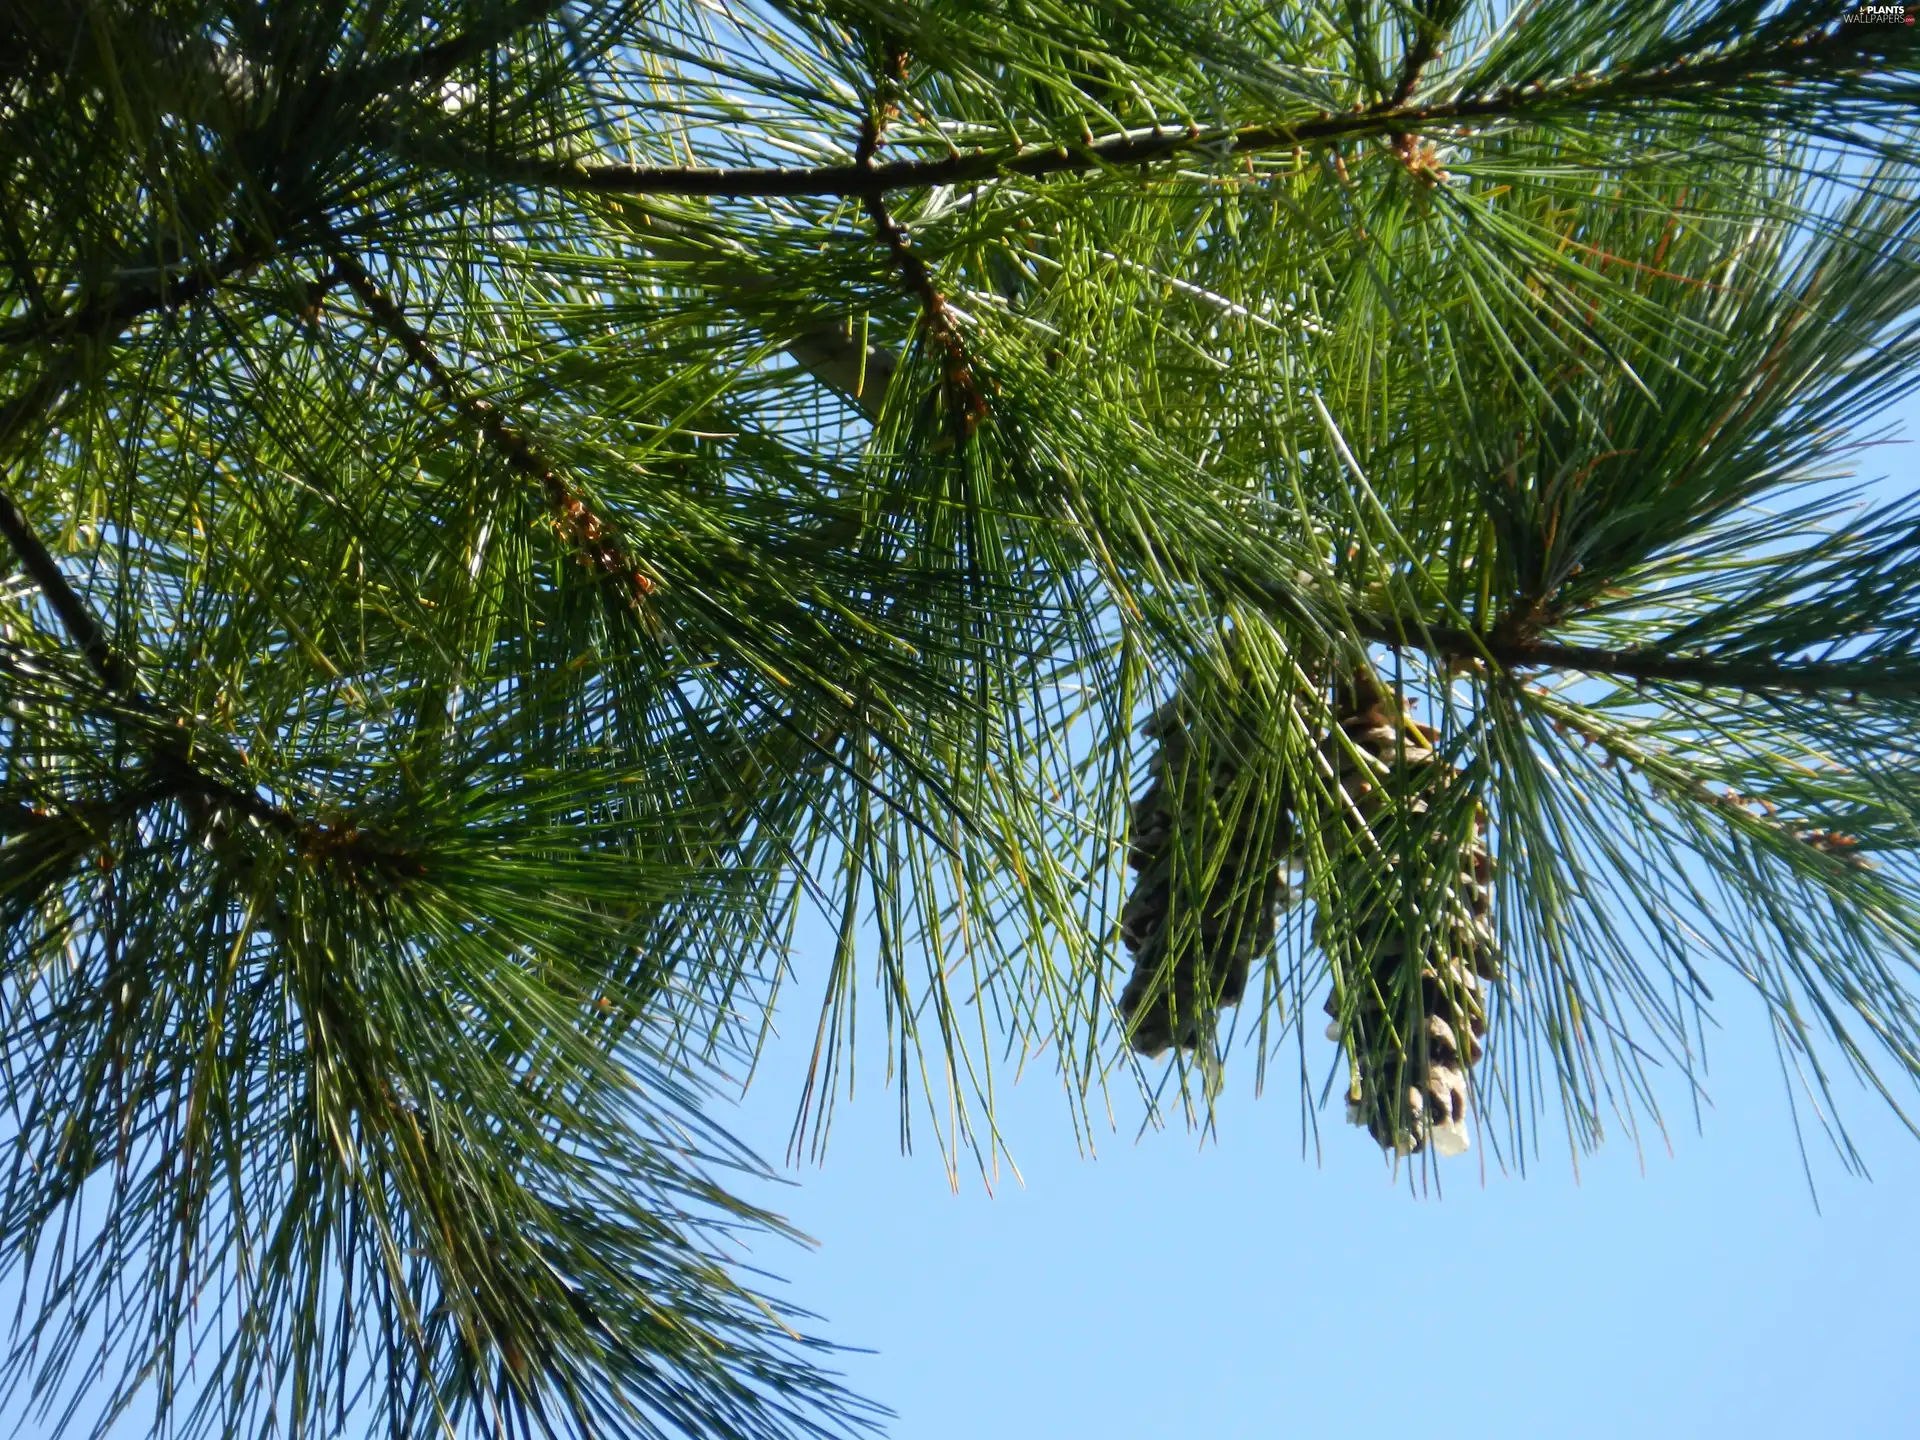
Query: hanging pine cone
{"type": "Point", "coordinates": [1211, 842]}
{"type": "Point", "coordinates": [1407, 1001]}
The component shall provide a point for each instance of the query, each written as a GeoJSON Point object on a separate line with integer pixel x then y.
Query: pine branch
{"type": "Point", "coordinates": [592, 540]}
{"type": "Point", "coordinates": [1648, 663]}
{"type": "Point", "coordinates": [970, 406]}
{"type": "Point", "coordinates": [1737, 809]}
{"type": "Point", "coordinates": [166, 744]}
{"type": "Point", "coordinates": [113, 313]}
{"type": "Point", "coordinates": [612, 838]}
{"type": "Point", "coordinates": [1429, 35]}
{"type": "Point", "coordinates": [118, 306]}
{"type": "Point", "coordinates": [82, 626]}
{"type": "Point", "coordinates": [1588, 93]}
{"type": "Point", "coordinates": [169, 754]}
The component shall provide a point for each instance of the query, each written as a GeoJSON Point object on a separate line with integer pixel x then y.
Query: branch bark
{"type": "Point", "coordinates": [969, 406]}
{"type": "Point", "coordinates": [1431, 24]}
{"type": "Point", "coordinates": [1584, 93]}
{"type": "Point", "coordinates": [1646, 664]}
{"type": "Point", "coordinates": [592, 540]}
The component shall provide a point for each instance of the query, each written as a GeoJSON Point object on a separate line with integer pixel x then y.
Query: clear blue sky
{"type": "Point", "coordinates": [1235, 1289]}
{"type": "Point", "coordinates": [1238, 1290]}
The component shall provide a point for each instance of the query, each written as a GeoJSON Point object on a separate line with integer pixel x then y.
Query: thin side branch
{"type": "Point", "coordinates": [1750, 812]}
{"type": "Point", "coordinates": [1584, 92]}
{"type": "Point", "coordinates": [175, 771]}
{"type": "Point", "coordinates": [118, 306]}
{"type": "Point", "coordinates": [112, 311]}
{"type": "Point", "coordinates": [1648, 664]}
{"type": "Point", "coordinates": [89, 636]}
{"type": "Point", "coordinates": [1430, 34]}
{"type": "Point", "coordinates": [591, 539]}
{"type": "Point", "coordinates": [79, 621]}
{"type": "Point", "coordinates": [963, 389]}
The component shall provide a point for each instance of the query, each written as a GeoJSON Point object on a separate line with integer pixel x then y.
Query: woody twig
{"type": "Point", "coordinates": [174, 773]}
{"type": "Point", "coordinates": [592, 540]}
{"type": "Point", "coordinates": [968, 403]}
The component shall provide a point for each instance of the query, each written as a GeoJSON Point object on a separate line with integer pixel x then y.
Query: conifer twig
{"type": "Point", "coordinates": [591, 539]}
{"type": "Point", "coordinates": [79, 621]}
{"type": "Point", "coordinates": [118, 306]}
{"type": "Point", "coordinates": [1130, 148]}
{"type": "Point", "coordinates": [169, 747]}
{"type": "Point", "coordinates": [1429, 34]}
{"type": "Point", "coordinates": [1664, 773]}
{"type": "Point", "coordinates": [1649, 663]}
{"type": "Point", "coordinates": [176, 770]}
{"type": "Point", "coordinates": [969, 404]}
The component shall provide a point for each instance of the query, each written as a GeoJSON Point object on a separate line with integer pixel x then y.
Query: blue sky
{"type": "Point", "coordinates": [1237, 1289]}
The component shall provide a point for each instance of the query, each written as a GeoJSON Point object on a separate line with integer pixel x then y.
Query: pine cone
{"type": "Point", "coordinates": [1407, 1001]}
{"type": "Point", "coordinates": [1211, 842]}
